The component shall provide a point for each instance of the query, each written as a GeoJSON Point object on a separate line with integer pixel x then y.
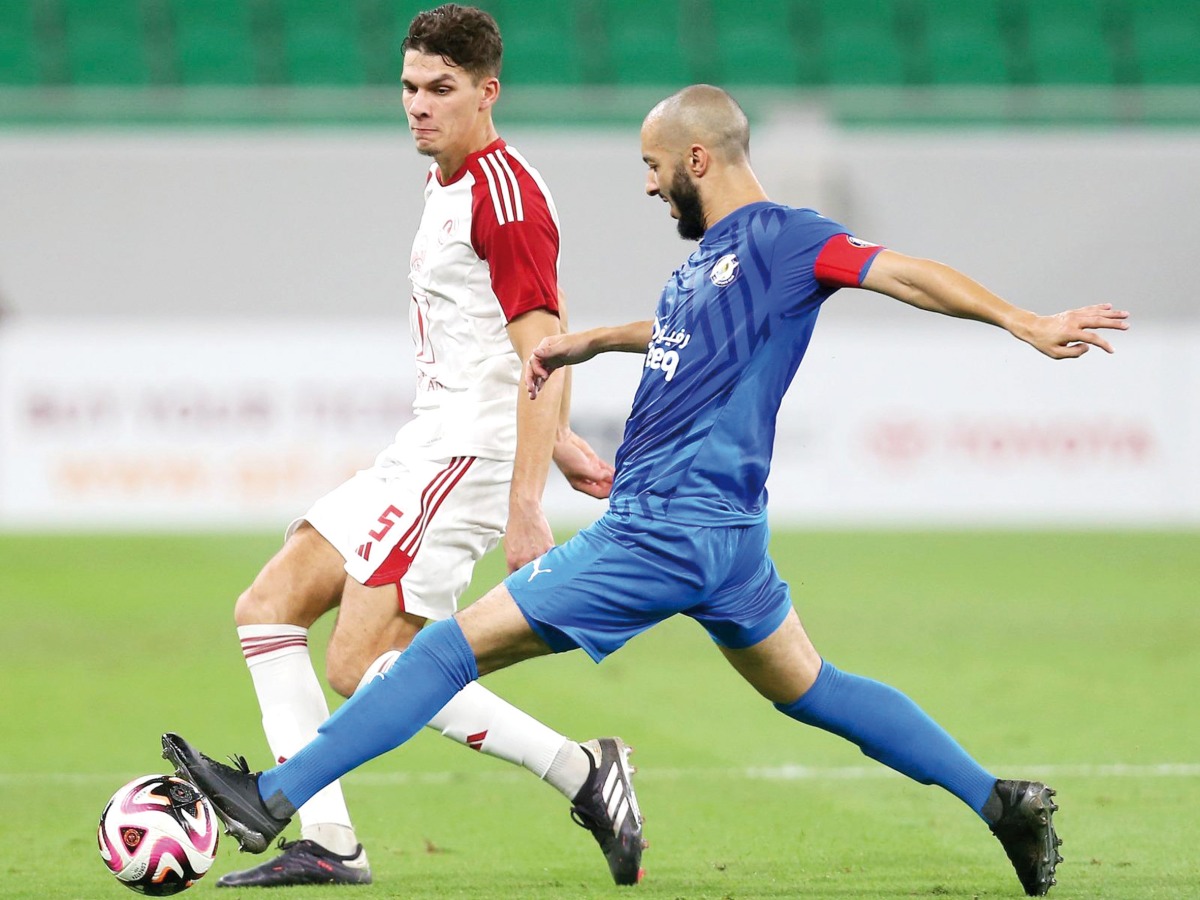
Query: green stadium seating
{"type": "Point", "coordinates": [541, 42]}
{"type": "Point", "coordinates": [624, 42]}
{"type": "Point", "coordinates": [964, 42]}
{"type": "Point", "coordinates": [106, 42]}
{"type": "Point", "coordinates": [1165, 36]}
{"type": "Point", "coordinates": [1067, 43]}
{"type": "Point", "coordinates": [321, 42]}
{"type": "Point", "coordinates": [648, 45]}
{"type": "Point", "coordinates": [861, 43]}
{"type": "Point", "coordinates": [214, 42]}
{"type": "Point", "coordinates": [18, 44]}
{"type": "Point", "coordinates": [756, 43]}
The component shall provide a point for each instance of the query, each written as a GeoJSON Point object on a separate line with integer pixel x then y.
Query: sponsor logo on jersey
{"type": "Point", "coordinates": [663, 352]}
{"type": "Point", "coordinates": [724, 270]}
{"type": "Point", "coordinates": [857, 242]}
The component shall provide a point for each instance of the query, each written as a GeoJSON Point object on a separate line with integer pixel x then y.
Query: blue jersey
{"type": "Point", "coordinates": [730, 329]}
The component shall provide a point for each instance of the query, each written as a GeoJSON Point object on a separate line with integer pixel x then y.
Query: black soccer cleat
{"type": "Point", "coordinates": [607, 807]}
{"type": "Point", "coordinates": [233, 793]}
{"type": "Point", "coordinates": [1025, 827]}
{"type": "Point", "coordinates": [302, 862]}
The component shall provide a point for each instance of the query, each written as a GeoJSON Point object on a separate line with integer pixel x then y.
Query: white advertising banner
{"type": "Point", "coordinates": [243, 423]}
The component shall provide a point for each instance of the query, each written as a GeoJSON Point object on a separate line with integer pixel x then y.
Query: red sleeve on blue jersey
{"type": "Point", "coordinates": [844, 261]}
{"type": "Point", "coordinates": [512, 228]}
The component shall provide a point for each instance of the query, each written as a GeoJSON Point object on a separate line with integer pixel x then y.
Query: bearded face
{"type": "Point", "coordinates": [685, 197]}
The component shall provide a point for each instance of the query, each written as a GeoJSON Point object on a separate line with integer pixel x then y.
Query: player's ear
{"type": "Point", "coordinates": [697, 160]}
{"type": "Point", "coordinates": [491, 92]}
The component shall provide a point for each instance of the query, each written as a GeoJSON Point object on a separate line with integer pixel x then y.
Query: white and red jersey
{"type": "Point", "coordinates": [486, 252]}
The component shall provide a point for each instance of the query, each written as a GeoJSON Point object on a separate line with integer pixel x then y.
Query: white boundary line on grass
{"type": "Point", "coordinates": [761, 773]}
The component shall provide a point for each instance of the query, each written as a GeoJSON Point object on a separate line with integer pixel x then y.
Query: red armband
{"type": "Point", "coordinates": [844, 261]}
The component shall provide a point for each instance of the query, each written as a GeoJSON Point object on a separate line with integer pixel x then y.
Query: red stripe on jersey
{"type": "Point", "coordinates": [844, 261]}
{"type": "Point", "coordinates": [398, 561]}
{"type": "Point", "coordinates": [513, 230]}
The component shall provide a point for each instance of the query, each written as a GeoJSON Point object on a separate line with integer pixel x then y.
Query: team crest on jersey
{"type": "Point", "coordinates": [724, 270]}
{"type": "Point", "coordinates": [856, 242]}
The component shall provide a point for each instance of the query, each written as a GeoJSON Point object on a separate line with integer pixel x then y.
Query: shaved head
{"type": "Point", "coordinates": [705, 115]}
{"type": "Point", "coordinates": [696, 146]}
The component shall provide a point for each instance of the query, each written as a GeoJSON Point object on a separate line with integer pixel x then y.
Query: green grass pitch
{"type": "Point", "coordinates": [1073, 657]}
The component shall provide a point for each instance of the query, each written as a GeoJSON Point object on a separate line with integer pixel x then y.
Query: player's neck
{"type": "Point", "coordinates": [450, 161]}
{"type": "Point", "coordinates": [733, 191]}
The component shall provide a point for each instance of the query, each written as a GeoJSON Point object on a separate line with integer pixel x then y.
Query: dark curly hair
{"type": "Point", "coordinates": [463, 35]}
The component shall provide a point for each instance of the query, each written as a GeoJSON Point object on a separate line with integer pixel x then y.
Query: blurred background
{"type": "Point", "coordinates": [206, 208]}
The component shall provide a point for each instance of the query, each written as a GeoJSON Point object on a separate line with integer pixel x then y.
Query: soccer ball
{"type": "Point", "coordinates": [158, 835]}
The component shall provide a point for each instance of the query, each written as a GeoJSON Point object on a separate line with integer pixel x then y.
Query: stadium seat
{"type": "Point", "coordinates": [648, 45]}
{"type": "Point", "coordinates": [541, 42]}
{"type": "Point", "coordinates": [541, 56]}
{"type": "Point", "coordinates": [1165, 36]}
{"type": "Point", "coordinates": [756, 43]}
{"type": "Point", "coordinates": [106, 42]}
{"type": "Point", "coordinates": [964, 42]}
{"type": "Point", "coordinates": [862, 43]}
{"type": "Point", "coordinates": [321, 42]}
{"type": "Point", "coordinates": [18, 44]}
{"type": "Point", "coordinates": [214, 42]}
{"type": "Point", "coordinates": [1067, 42]}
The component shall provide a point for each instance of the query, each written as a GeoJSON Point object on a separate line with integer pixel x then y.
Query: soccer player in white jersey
{"type": "Point", "coordinates": [395, 545]}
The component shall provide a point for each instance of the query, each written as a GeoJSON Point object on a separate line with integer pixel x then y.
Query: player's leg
{"type": "Point", "coordinates": [373, 629]}
{"type": "Point", "coordinates": [889, 727]}
{"type": "Point", "coordinates": [298, 585]}
{"type": "Point", "coordinates": [884, 723]}
{"type": "Point", "coordinates": [390, 707]}
{"type": "Point", "coordinates": [467, 524]}
{"type": "Point", "coordinates": [383, 714]}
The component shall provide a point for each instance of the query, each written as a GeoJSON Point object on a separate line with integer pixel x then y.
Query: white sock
{"type": "Point", "coordinates": [293, 708]}
{"type": "Point", "coordinates": [481, 720]}
{"type": "Point", "coordinates": [570, 769]}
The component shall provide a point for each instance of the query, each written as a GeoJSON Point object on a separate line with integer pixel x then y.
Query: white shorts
{"type": "Point", "coordinates": [420, 524]}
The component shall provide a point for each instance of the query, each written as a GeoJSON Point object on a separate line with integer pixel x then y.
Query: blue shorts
{"type": "Point", "coordinates": [625, 573]}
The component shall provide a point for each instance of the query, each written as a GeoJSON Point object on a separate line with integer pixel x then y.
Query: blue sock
{"type": "Point", "coordinates": [887, 726]}
{"type": "Point", "coordinates": [381, 715]}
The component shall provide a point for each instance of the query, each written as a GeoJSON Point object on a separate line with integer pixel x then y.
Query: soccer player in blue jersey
{"type": "Point", "coordinates": [686, 529]}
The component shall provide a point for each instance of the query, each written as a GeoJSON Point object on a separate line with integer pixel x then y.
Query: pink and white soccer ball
{"type": "Point", "coordinates": [158, 835]}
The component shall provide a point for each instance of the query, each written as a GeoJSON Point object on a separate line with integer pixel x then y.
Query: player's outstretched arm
{"type": "Point", "coordinates": [560, 350]}
{"type": "Point", "coordinates": [939, 288]}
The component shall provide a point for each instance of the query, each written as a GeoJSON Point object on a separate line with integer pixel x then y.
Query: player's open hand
{"type": "Point", "coordinates": [1070, 334]}
{"type": "Point", "coordinates": [582, 466]}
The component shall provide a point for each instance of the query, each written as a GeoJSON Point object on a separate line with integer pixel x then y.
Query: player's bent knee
{"type": "Point", "coordinates": [250, 609]}
{"type": "Point", "coordinates": [342, 678]}
{"type": "Point", "coordinates": [346, 660]}
{"type": "Point", "coordinates": [344, 667]}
